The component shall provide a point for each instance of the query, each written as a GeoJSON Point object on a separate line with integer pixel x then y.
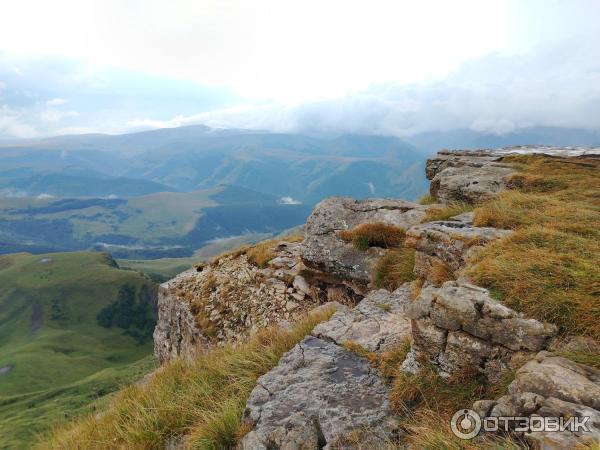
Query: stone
{"type": "Point", "coordinates": [377, 323]}
{"type": "Point", "coordinates": [551, 386]}
{"type": "Point", "coordinates": [459, 326]}
{"type": "Point", "coordinates": [318, 393]}
{"type": "Point", "coordinates": [449, 243]}
{"type": "Point", "coordinates": [325, 252]}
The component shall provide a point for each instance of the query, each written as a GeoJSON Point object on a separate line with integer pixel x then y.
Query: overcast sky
{"type": "Point", "coordinates": [385, 67]}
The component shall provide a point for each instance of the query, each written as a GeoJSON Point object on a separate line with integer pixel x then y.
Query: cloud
{"type": "Point", "coordinates": [288, 201]}
{"type": "Point", "coordinates": [2, 85]}
{"type": "Point", "coordinates": [56, 115]}
{"type": "Point", "coordinates": [56, 102]}
{"type": "Point", "coordinates": [13, 125]}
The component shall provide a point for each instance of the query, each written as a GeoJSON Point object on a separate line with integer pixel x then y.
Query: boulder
{"type": "Point", "coordinates": [318, 395]}
{"type": "Point", "coordinates": [459, 326]}
{"type": "Point", "coordinates": [377, 323]}
{"type": "Point", "coordinates": [448, 244]}
{"type": "Point", "coordinates": [324, 251]}
{"type": "Point", "coordinates": [551, 386]}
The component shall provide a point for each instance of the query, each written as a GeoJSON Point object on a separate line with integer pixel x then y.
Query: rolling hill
{"type": "Point", "coordinates": [56, 357]}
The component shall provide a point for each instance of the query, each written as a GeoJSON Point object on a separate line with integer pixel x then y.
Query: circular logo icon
{"type": "Point", "coordinates": [465, 424]}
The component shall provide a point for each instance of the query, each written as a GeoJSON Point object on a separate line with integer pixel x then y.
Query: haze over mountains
{"type": "Point", "coordinates": [168, 192]}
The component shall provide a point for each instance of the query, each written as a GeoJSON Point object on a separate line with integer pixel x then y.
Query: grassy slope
{"type": "Point", "coordinates": [203, 398]}
{"type": "Point", "coordinates": [60, 358]}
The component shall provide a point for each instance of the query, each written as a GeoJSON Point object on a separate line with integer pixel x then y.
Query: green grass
{"type": "Point", "coordinates": [203, 398]}
{"type": "Point", "coordinates": [61, 358]}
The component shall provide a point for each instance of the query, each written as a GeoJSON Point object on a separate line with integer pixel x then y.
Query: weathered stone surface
{"type": "Point", "coordinates": [377, 323]}
{"type": "Point", "coordinates": [477, 175]}
{"type": "Point", "coordinates": [229, 298]}
{"type": "Point", "coordinates": [459, 326]}
{"type": "Point", "coordinates": [449, 244]}
{"type": "Point", "coordinates": [325, 251]}
{"type": "Point", "coordinates": [318, 393]}
{"type": "Point", "coordinates": [551, 386]}
{"type": "Point", "coordinates": [176, 332]}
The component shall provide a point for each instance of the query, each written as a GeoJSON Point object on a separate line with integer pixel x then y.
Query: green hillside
{"type": "Point", "coordinates": [55, 359]}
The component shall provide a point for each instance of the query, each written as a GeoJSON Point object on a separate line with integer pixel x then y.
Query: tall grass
{"type": "Point", "coordinates": [549, 267]}
{"type": "Point", "coordinates": [394, 268]}
{"type": "Point", "coordinates": [203, 398]}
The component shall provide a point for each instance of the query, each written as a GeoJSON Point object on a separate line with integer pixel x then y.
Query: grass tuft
{"type": "Point", "coordinates": [427, 199]}
{"type": "Point", "coordinates": [394, 268]}
{"type": "Point", "coordinates": [374, 235]}
{"type": "Point", "coordinates": [446, 212]}
{"type": "Point", "coordinates": [203, 398]}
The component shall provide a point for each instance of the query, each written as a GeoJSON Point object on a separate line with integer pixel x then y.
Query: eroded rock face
{"type": "Point", "coordinates": [448, 244]}
{"type": "Point", "coordinates": [317, 395]}
{"type": "Point", "coordinates": [377, 323]}
{"type": "Point", "coordinates": [324, 251]}
{"type": "Point", "coordinates": [230, 298]}
{"type": "Point", "coordinates": [459, 326]}
{"type": "Point", "coordinates": [551, 386]}
{"type": "Point", "coordinates": [176, 332]}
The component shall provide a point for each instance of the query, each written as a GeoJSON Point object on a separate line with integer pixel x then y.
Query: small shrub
{"type": "Point", "coordinates": [374, 235]}
{"type": "Point", "coordinates": [394, 268]}
{"type": "Point", "coordinates": [446, 212]}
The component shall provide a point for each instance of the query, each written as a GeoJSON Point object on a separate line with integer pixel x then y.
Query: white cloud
{"type": "Point", "coordinates": [2, 85]}
{"type": "Point", "coordinates": [13, 125]}
{"type": "Point", "coordinates": [288, 201]}
{"type": "Point", "coordinates": [56, 115]}
{"type": "Point", "coordinates": [56, 102]}
{"type": "Point", "coordinates": [44, 196]}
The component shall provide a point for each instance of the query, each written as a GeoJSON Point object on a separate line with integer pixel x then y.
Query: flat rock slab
{"type": "Point", "coordinates": [377, 323]}
{"type": "Point", "coordinates": [317, 395]}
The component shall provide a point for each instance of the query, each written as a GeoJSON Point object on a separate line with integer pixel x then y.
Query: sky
{"type": "Point", "coordinates": [380, 67]}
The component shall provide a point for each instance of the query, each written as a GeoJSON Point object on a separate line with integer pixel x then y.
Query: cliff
{"type": "Point", "coordinates": [484, 298]}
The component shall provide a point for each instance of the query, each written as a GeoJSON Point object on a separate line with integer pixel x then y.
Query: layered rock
{"type": "Point", "coordinates": [475, 176]}
{"type": "Point", "coordinates": [446, 246]}
{"type": "Point", "coordinates": [459, 326]}
{"type": "Point", "coordinates": [551, 386]}
{"type": "Point", "coordinates": [325, 252]}
{"type": "Point", "coordinates": [230, 298]}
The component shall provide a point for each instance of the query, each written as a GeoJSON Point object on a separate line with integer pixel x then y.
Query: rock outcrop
{"type": "Point", "coordinates": [475, 176]}
{"type": "Point", "coordinates": [551, 386]}
{"type": "Point", "coordinates": [459, 326]}
{"type": "Point", "coordinates": [230, 298]}
{"type": "Point", "coordinates": [446, 246]}
{"type": "Point", "coordinates": [326, 253]}
{"type": "Point", "coordinates": [377, 323]}
{"type": "Point", "coordinates": [315, 398]}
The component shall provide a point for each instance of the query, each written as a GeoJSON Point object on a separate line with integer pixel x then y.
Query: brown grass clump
{"type": "Point", "coordinates": [548, 268]}
{"type": "Point", "coordinates": [260, 254]}
{"type": "Point", "coordinates": [446, 212]}
{"type": "Point", "coordinates": [427, 199]}
{"type": "Point", "coordinates": [374, 235]}
{"type": "Point", "coordinates": [394, 268]}
{"type": "Point", "coordinates": [439, 273]}
{"type": "Point", "coordinates": [203, 398]}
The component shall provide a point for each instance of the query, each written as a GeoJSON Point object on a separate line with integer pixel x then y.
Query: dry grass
{"type": "Point", "coordinates": [446, 212]}
{"type": "Point", "coordinates": [260, 254]}
{"type": "Point", "coordinates": [374, 235]}
{"type": "Point", "coordinates": [203, 398]}
{"type": "Point", "coordinates": [426, 403]}
{"type": "Point", "coordinates": [427, 199]}
{"type": "Point", "coordinates": [549, 267]}
{"type": "Point", "coordinates": [439, 273]}
{"type": "Point", "coordinates": [394, 268]}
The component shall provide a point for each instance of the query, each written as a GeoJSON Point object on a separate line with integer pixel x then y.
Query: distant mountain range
{"type": "Point", "coordinates": [168, 192]}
